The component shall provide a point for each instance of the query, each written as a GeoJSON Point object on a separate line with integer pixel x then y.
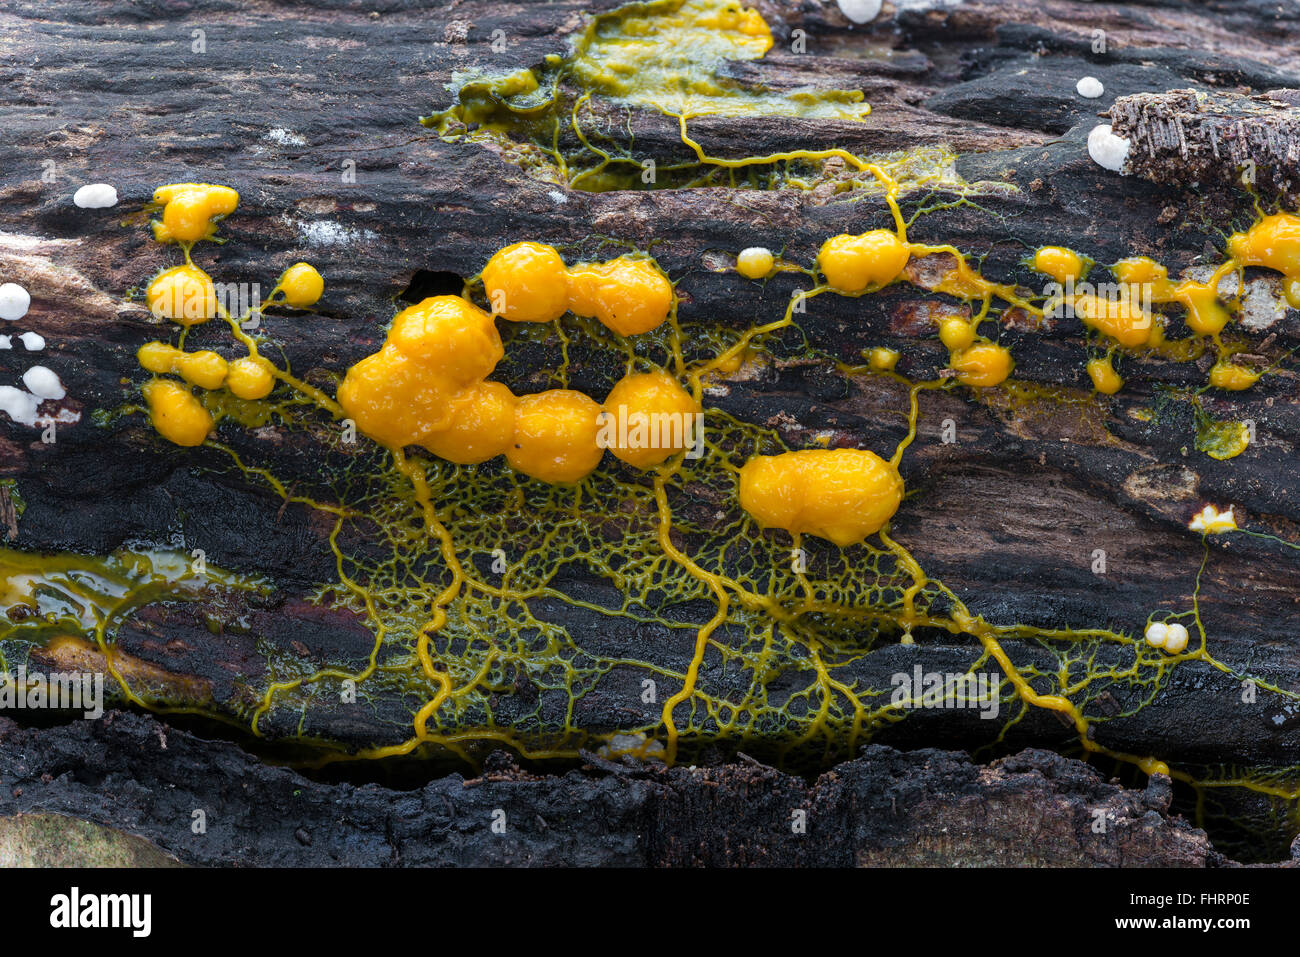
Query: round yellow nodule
{"type": "Point", "coordinates": [302, 285]}
{"type": "Point", "coordinates": [852, 263]}
{"type": "Point", "coordinates": [755, 262]}
{"type": "Point", "coordinates": [1104, 377]}
{"type": "Point", "coordinates": [555, 436]}
{"type": "Point", "coordinates": [1059, 263]}
{"type": "Point", "coordinates": [205, 369]}
{"type": "Point", "coordinates": [982, 365]}
{"type": "Point", "coordinates": [956, 333]}
{"type": "Point", "coordinates": [157, 357]}
{"type": "Point", "coordinates": [882, 359]}
{"type": "Point", "coordinates": [648, 417]}
{"type": "Point", "coordinates": [176, 414]}
{"type": "Point", "coordinates": [450, 335]}
{"type": "Point", "coordinates": [396, 400]}
{"type": "Point", "coordinates": [1230, 376]}
{"type": "Point", "coordinates": [183, 294]}
{"type": "Point", "coordinates": [250, 378]}
{"type": "Point", "coordinates": [527, 282]}
{"type": "Point", "coordinates": [842, 495]}
{"type": "Point", "coordinates": [483, 427]}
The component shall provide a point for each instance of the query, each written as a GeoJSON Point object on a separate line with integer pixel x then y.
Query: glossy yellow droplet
{"type": "Point", "coordinates": [1229, 375]}
{"type": "Point", "coordinates": [1104, 377]}
{"type": "Point", "coordinates": [175, 413]}
{"type": "Point", "coordinates": [527, 282]}
{"type": "Point", "coordinates": [755, 262]}
{"type": "Point", "coordinates": [1059, 263]}
{"type": "Point", "coordinates": [302, 285]}
{"type": "Point", "coordinates": [157, 357]}
{"type": "Point", "coordinates": [882, 359]}
{"type": "Point", "coordinates": [183, 294]}
{"type": "Point", "coordinates": [555, 436]}
{"type": "Point", "coordinates": [250, 378]}
{"type": "Point", "coordinates": [647, 418]}
{"type": "Point", "coordinates": [956, 333]}
{"type": "Point", "coordinates": [205, 369]}
{"type": "Point", "coordinates": [982, 365]}
{"type": "Point", "coordinates": [853, 263]}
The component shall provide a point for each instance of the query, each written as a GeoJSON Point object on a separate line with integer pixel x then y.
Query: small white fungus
{"type": "Point", "coordinates": [1157, 634]}
{"type": "Point", "coordinates": [43, 383]}
{"type": "Point", "coordinates": [1176, 643]}
{"type": "Point", "coordinates": [95, 196]}
{"type": "Point", "coordinates": [1090, 87]}
{"type": "Point", "coordinates": [18, 405]}
{"type": "Point", "coordinates": [34, 341]}
{"type": "Point", "coordinates": [1213, 522]}
{"type": "Point", "coordinates": [6, 342]}
{"type": "Point", "coordinates": [1107, 150]}
{"type": "Point", "coordinates": [860, 11]}
{"type": "Point", "coordinates": [14, 301]}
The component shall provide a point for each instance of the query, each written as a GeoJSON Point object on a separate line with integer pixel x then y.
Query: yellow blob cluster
{"type": "Point", "coordinates": [529, 282]}
{"type": "Point", "coordinates": [186, 295]}
{"type": "Point", "coordinates": [428, 386]}
{"type": "Point", "coordinates": [1274, 243]}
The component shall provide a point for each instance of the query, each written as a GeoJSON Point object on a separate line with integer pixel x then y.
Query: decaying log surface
{"type": "Point", "coordinates": [928, 807]}
{"type": "Point", "coordinates": [1012, 513]}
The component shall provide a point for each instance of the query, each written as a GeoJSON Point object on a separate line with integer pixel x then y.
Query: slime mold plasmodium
{"type": "Point", "coordinates": [467, 523]}
{"type": "Point", "coordinates": [528, 473]}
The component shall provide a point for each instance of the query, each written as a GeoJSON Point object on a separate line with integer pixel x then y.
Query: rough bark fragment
{"type": "Point", "coordinates": [1183, 138]}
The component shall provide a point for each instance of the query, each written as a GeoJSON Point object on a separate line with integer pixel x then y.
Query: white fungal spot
{"type": "Point", "coordinates": [1089, 87]}
{"type": "Point", "coordinates": [95, 196]}
{"type": "Point", "coordinates": [1157, 634]}
{"type": "Point", "coordinates": [34, 341]}
{"type": "Point", "coordinates": [1213, 522]}
{"type": "Point", "coordinates": [1106, 149]}
{"type": "Point", "coordinates": [557, 197]}
{"type": "Point", "coordinates": [18, 405]}
{"type": "Point", "coordinates": [1176, 643]}
{"type": "Point", "coordinates": [6, 342]}
{"type": "Point", "coordinates": [328, 233]}
{"type": "Point", "coordinates": [285, 137]}
{"type": "Point", "coordinates": [860, 11]}
{"type": "Point", "coordinates": [43, 383]}
{"type": "Point", "coordinates": [14, 301]}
